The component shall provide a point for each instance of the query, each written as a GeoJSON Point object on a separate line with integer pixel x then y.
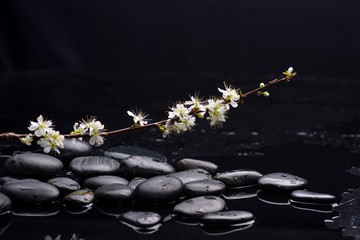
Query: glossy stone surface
{"type": "Point", "coordinates": [64, 184]}
{"type": "Point", "coordinates": [80, 197]}
{"type": "Point", "coordinates": [5, 203]}
{"type": "Point", "coordinates": [121, 152]}
{"type": "Point", "coordinates": [159, 189]}
{"type": "Point", "coordinates": [75, 148]}
{"type": "Point", "coordinates": [30, 191]}
{"type": "Point", "coordinates": [135, 182]}
{"type": "Point", "coordinates": [33, 165]}
{"type": "Point", "coordinates": [227, 217]}
{"type": "Point", "coordinates": [192, 175]}
{"type": "Point", "coordinates": [282, 182]}
{"type": "Point", "coordinates": [139, 166]}
{"type": "Point", "coordinates": [115, 192]}
{"type": "Point", "coordinates": [98, 181]}
{"type": "Point", "coordinates": [188, 163]}
{"type": "Point", "coordinates": [239, 178]}
{"type": "Point", "coordinates": [204, 187]}
{"type": "Point", "coordinates": [94, 165]}
{"type": "Point", "coordinates": [141, 219]}
{"type": "Point", "coordinates": [312, 197]}
{"type": "Point", "coordinates": [199, 206]}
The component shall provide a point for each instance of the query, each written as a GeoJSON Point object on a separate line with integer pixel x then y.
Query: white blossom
{"type": "Point", "coordinates": [217, 112]}
{"type": "Point", "coordinates": [189, 122]}
{"type": "Point", "coordinates": [41, 127]}
{"type": "Point", "coordinates": [266, 94]}
{"type": "Point", "coordinates": [262, 85]}
{"type": "Point", "coordinates": [166, 129]}
{"type": "Point", "coordinates": [178, 111]}
{"type": "Point", "coordinates": [52, 141]}
{"type": "Point", "coordinates": [179, 127]}
{"type": "Point", "coordinates": [230, 94]}
{"type": "Point", "coordinates": [138, 117]}
{"type": "Point", "coordinates": [94, 127]}
{"type": "Point", "coordinates": [27, 140]}
{"type": "Point", "coordinates": [289, 72]}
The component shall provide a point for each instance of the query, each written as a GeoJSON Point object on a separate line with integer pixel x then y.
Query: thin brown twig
{"type": "Point", "coordinates": [10, 135]}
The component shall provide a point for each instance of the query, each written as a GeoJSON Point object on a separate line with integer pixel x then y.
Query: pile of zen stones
{"type": "Point", "coordinates": [194, 189]}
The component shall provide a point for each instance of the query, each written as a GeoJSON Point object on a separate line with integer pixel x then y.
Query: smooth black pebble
{"type": "Point", "coordinates": [94, 165]}
{"type": "Point", "coordinates": [199, 206]}
{"type": "Point", "coordinates": [239, 178]}
{"type": "Point", "coordinates": [33, 165]}
{"type": "Point", "coordinates": [312, 197]}
{"type": "Point", "coordinates": [121, 152]}
{"type": "Point", "coordinates": [80, 197]}
{"type": "Point", "coordinates": [99, 181]}
{"type": "Point", "coordinates": [140, 166]}
{"type": "Point", "coordinates": [64, 184]}
{"type": "Point", "coordinates": [74, 148]}
{"type": "Point", "coordinates": [141, 219]}
{"type": "Point", "coordinates": [135, 182]}
{"type": "Point", "coordinates": [30, 191]}
{"type": "Point", "coordinates": [159, 189]}
{"type": "Point", "coordinates": [282, 182]}
{"type": "Point", "coordinates": [227, 218]}
{"type": "Point", "coordinates": [5, 203]}
{"type": "Point", "coordinates": [115, 192]}
{"type": "Point", "coordinates": [188, 163]}
{"type": "Point", "coordinates": [191, 175]}
{"type": "Point", "coordinates": [204, 187]}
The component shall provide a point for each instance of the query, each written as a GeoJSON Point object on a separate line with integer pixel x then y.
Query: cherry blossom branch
{"type": "Point", "coordinates": [180, 119]}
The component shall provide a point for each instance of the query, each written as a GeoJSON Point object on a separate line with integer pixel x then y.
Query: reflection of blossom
{"type": "Point", "coordinates": [41, 127]}
{"type": "Point", "coordinates": [138, 118]}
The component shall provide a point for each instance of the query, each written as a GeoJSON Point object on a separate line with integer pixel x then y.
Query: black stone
{"type": "Point", "coordinates": [80, 197]}
{"type": "Point", "coordinates": [188, 163]}
{"type": "Point", "coordinates": [94, 165]}
{"type": "Point", "coordinates": [192, 175]}
{"type": "Point", "coordinates": [159, 189]}
{"type": "Point", "coordinates": [199, 206]}
{"type": "Point", "coordinates": [141, 219]}
{"type": "Point", "coordinates": [139, 166]}
{"type": "Point", "coordinates": [273, 198]}
{"type": "Point", "coordinates": [64, 184]}
{"type": "Point", "coordinates": [7, 179]}
{"type": "Point", "coordinates": [135, 182]}
{"type": "Point", "coordinates": [74, 148]}
{"type": "Point", "coordinates": [121, 152]}
{"type": "Point", "coordinates": [227, 218]}
{"type": "Point", "coordinates": [5, 203]}
{"type": "Point", "coordinates": [30, 191]}
{"type": "Point", "coordinates": [99, 181]}
{"type": "Point", "coordinates": [281, 182]}
{"type": "Point", "coordinates": [33, 165]}
{"type": "Point", "coordinates": [312, 197]}
{"type": "Point", "coordinates": [239, 178]}
{"type": "Point", "coordinates": [204, 187]}
{"type": "Point", "coordinates": [115, 192]}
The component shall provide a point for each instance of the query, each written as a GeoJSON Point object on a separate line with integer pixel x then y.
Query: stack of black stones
{"type": "Point", "coordinates": [194, 189]}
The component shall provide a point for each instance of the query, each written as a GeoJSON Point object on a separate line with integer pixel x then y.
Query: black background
{"type": "Point", "coordinates": [70, 59]}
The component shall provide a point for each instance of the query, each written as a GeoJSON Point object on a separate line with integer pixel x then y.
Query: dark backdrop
{"type": "Point", "coordinates": [318, 37]}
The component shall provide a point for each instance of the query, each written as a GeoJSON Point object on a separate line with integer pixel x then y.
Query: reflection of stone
{"type": "Point", "coordinates": [5, 221]}
{"type": "Point", "coordinates": [43, 210]}
{"type": "Point", "coordinates": [322, 208]}
{"type": "Point", "coordinates": [222, 230]}
{"type": "Point", "coordinates": [271, 198]}
{"type": "Point", "coordinates": [149, 230]}
{"type": "Point", "coordinates": [349, 214]}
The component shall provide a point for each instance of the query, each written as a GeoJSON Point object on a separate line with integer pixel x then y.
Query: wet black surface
{"type": "Point", "coordinates": [309, 128]}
